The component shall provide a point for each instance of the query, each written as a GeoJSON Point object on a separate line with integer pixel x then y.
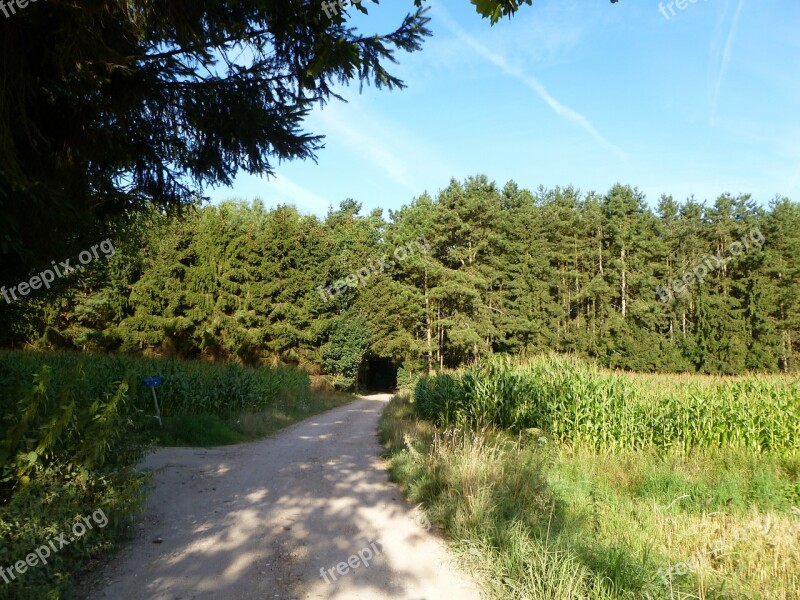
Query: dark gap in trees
{"type": "Point", "coordinates": [378, 374]}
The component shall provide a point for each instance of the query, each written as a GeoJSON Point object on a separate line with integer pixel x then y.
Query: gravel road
{"type": "Point", "coordinates": [261, 520]}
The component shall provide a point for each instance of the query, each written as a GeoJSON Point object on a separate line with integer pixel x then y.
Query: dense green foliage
{"type": "Point", "coordinates": [115, 105]}
{"type": "Point", "coordinates": [73, 426]}
{"type": "Point", "coordinates": [66, 450]}
{"type": "Point", "coordinates": [344, 352]}
{"type": "Point", "coordinates": [574, 403]}
{"type": "Point", "coordinates": [507, 271]}
{"type": "Point", "coordinates": [535, 519]}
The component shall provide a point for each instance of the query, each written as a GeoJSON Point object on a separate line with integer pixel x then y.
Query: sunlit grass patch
{"type": "Point", "coordinates": [536, 520]}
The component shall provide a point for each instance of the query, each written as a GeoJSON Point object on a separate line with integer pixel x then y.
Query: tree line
{"type": "Point", "coordinates": [505, 270]}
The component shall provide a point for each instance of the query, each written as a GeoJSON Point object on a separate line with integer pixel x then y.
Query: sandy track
{"type": "Point", "coordinates": [260, 520]}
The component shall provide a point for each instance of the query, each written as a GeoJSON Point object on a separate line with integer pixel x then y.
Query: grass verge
{"type": "Point", "coordinates": [206, 430]}
{"type": "Point", "coordinates": [536, 520]}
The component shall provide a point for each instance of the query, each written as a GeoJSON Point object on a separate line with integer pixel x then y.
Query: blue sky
{"type": "Point", "coordinates": [568, 92]}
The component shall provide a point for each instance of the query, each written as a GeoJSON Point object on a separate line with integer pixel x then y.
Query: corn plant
{"type": "Point", "coordinates": [577, 403]}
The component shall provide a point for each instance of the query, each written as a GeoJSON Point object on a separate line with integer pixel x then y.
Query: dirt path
{"type": "Point", "coordinates": [260, 520]}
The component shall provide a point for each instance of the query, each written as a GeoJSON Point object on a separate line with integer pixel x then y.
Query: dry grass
{"type": "Point", "coordinates": [533, 521]}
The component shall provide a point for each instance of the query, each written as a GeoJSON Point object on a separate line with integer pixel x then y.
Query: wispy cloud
{"type": "Point", "coordinates": [368, 143]}
{"type": "Point", "coordinates": [726, 58]}
{"type": "Point", "coordinates": [292, 193]}
{"type": "Point", "coordinates": [534, 84]}
{"type": "Point", "coordinates": [392, 146]}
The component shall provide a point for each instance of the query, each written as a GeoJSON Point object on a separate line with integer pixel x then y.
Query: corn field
{"type": "Point", "coordinates": [189, 388]}
{"type": "Point", "coordinates": [576, 403]}
{"type": "Point", "coordinates": [72, 427]}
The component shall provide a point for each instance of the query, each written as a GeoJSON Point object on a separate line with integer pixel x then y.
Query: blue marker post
{"type": "Point", "coordinates": [153, 383]}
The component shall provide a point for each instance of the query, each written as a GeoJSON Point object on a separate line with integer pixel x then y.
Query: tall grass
{"type": "Point", "coordinates": [535, 520]}
{"type": "Point", "coordinates": [578, 404]}
{"type": "Point", "coordinates": [73, 427]}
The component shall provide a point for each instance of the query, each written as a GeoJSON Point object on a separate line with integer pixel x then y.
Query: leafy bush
{"type": "Point", "coordinates": [407, 379]}
{"type": "Point", "coordinates": [344, 353]}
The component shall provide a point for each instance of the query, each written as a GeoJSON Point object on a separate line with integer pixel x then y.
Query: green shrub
{"type": "Point", "coordinates": [407, 379]}
{"type": "Point", "coordinates": [343, 355]}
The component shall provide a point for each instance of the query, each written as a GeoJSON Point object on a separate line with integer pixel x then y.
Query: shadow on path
{"type": "Point", "coordinates": [260, 520]}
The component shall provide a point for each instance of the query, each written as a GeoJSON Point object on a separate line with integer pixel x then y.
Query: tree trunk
{"type": "Point", "coordinates": [783, 351]}
{"type": "Point", "coordinates": [441, 340]}
{"type": "Point", "coordinates": [428, 325]}
{"type": "Point", "coordinates": [600, 250]}
{"type": "Point", "coordinates": [624, 285]}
